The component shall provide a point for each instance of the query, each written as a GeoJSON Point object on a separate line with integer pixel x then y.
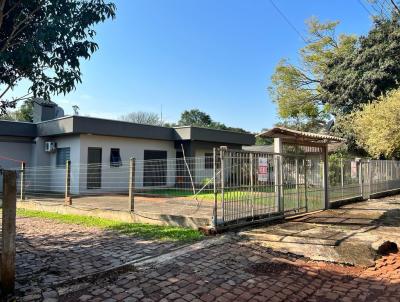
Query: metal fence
{"type": "Point", "coordinates": [230, 187]}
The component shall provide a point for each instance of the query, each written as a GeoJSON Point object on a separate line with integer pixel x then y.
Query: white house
{"type": "Point", "coordinates": [99, 148]}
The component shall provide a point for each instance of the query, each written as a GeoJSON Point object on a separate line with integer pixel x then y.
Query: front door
{"type": "Point", "coordinates": [94, 168]}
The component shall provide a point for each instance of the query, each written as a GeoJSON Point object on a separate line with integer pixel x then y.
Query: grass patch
{"type": "Point", "coordinates": [148, 231]}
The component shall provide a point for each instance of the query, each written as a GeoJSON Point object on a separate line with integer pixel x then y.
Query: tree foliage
{"type": "Point", "coordinates": [370, 70]}
{"type": "Point", "coordinates": [377, 125]}
{"type": "Point", "coordinates": [42, 41]}
{"type": "Point", "coordinates": [297, 89]}
{"type": "Point", "coordinates": [141, 117]}
{"type": "Point", "coordinates": [195, 117]}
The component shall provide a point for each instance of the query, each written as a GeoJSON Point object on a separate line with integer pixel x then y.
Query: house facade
{"type": "Point", "coordinates": [100, 148]}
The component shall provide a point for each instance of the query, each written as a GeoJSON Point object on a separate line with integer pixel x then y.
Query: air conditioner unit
{"type": "Point", "coordinates": [50, 146]}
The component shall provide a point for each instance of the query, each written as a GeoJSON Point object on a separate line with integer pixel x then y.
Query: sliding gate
{"type": "Point", "coordinates": [255, 186]}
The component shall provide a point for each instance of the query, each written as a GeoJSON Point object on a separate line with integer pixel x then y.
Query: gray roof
{"type": "Point", "coordinates": [70, 125]}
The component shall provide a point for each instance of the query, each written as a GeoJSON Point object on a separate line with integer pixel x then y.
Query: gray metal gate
{"type": "Point", "coordinates": [254, 186]}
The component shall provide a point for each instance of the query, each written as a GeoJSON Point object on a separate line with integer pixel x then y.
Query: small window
{"type": "Point", "coordinates": [208, 161]}
{"type": "Point", "coordinates": [63, 154]}
{"type": "Point", "coordinates": [115, 158]}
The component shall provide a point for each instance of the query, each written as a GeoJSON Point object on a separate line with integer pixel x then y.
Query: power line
{"type": "Point", "coordinates": [365, 8]}
{"type": "Point", "coordinates": [288, 21]}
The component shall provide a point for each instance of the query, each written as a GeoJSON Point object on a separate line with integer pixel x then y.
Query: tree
{"type": "Point", "coordinates": [377, 126]}
{"type": "Point", "coordinates": [297, 89]}
{"type": "Point", "coordinates": [372, 69]}
{"type": "Point", "coordinates": [141, 117]}
{"type": "Point", "coordinates": [197, 118]}
{"type": "Point", "coordinates": [23, 114]}
{"type": "Point", "coordinates": [42, 41]}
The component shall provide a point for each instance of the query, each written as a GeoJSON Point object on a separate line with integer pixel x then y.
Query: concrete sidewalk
{"type": "Point", "coordinates": [348, 235]}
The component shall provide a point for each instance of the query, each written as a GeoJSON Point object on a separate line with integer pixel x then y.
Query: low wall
{"type": "Point", "coordinates": [123, 216]}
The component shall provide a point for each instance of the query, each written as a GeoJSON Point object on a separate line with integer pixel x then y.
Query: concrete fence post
{"type": "Point", "coordinates": [325, 176]}
{"type": "Point", "coordinates": [251, 159]}
{"type": "Point", "coordinates": [131, 200]}
{"type": "Point", "coordinates": [8, 232]}
{"type": "Point", "coordinates": [342, 176]}
{"type": "Point", "coordinates": [22, 181]}
{"type": "Point", "coordinates": [215, 211]}
{"type": "Point", "coordinates": [68, 198]}
{"type": "Point", "coordinates": [278, 175]}
{"type": "Point", "coordinates": [360, 178]}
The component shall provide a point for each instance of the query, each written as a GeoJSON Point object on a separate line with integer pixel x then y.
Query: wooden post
{"type": "Point", "coordinates": [8, 232]}
{"type": "Point", "coordinates": [68, 199]}
{"type": "Point", "coordinates": [326, 176]}
{"type": "Point", "coordinates": [22, 181]}
{"type": "Point", "coordinates": [131, 201]}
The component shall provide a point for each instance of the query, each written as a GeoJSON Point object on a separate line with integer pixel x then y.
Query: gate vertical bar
{"type": "Point", "coordinates": [22, 181]}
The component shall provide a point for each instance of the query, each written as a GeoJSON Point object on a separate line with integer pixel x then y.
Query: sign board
{"type": "Point", "coordinates": [353, 169]}
{"type": "Point", "coordinates": [263, 169]}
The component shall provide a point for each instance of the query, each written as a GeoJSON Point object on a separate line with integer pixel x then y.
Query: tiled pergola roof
{"type": "Point", "coordinates": [289, 135]}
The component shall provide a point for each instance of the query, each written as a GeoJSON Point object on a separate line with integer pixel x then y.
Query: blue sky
{"type": "Point", "coordinates": [216, 56]}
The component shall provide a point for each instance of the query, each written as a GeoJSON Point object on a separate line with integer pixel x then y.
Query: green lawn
{"type": "Point", "coordinates": [149, 231]}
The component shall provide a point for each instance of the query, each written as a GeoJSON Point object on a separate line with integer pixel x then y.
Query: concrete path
{"type": "Point", "coordinates": [347, 235]}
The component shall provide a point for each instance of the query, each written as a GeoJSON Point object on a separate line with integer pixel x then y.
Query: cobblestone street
{"type": "Point", "coordinates": [240, 271]}
{"type": "Point", "coordinates": [70, 262]}
{"type": "Point", "coordinates": [50, 253]}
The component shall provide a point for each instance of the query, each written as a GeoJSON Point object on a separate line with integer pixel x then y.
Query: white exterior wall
{"type": "Point", "coordinates": [115, 179]}
{"type": "Point", "coordinates": [19, 151]}
{"type": "Point", "coordinates": [201, 172]}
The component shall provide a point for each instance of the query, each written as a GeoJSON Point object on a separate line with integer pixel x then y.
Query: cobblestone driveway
{"type": "Point", "coordinates": [51, 253]}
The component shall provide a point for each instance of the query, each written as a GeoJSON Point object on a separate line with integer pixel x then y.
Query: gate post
{"type": "Point", "coordinates": [8, 232]}
{"type": "Point", "coordinates": [132, 168]}
{"type": "Point", "coordinates": [279, 204]}
{"type": "Point", "coordinates": [360, 178]}
{"type": "Point", "coordinates": [222, 156]}
{"type": "Point", "coordinates": [326, 176]}
{"type": "Point", "coordinates": [370, 178]}
{"type": "Point", "coordinates": [68, 199]}
{"type": "Point", "coordinates": [251, 159]}
{"type": "Point", "coordinates": [215, 212]}
{"type": "Point", "coordinates": [297, 183]}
